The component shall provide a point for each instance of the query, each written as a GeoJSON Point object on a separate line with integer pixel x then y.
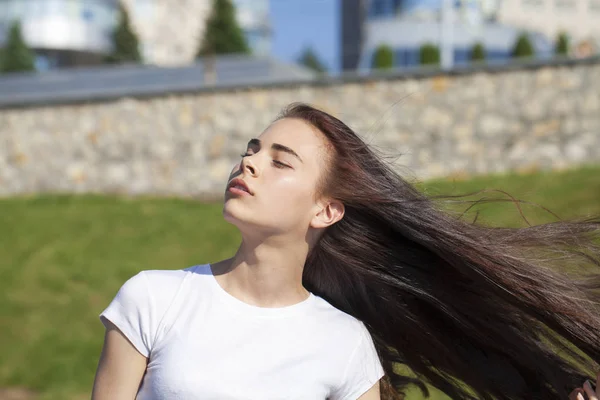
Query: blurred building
{"type": "Point", "coordinates": [170, 31]}
{"type": "Point", "coordinates": [66, 33]}
{"type": "Point", "coordinates": [406, 37]}
{"type": "Point", "coordinates": [62, 32]}
{"type": "Point", "coordinates": [579, 19]}
{"type": "Point", "coordinates": [352, 22]}
{"type": "Point", "coordinates": [405, 25]}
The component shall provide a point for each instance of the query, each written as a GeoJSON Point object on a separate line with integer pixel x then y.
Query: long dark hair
{"type": "Point", "coordinates": [476, 311]}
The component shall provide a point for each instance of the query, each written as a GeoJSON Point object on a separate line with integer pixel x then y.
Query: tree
{"type": "Point", "coordinates": [478, 52]}
{"type": "Point", "coordinates": [310, 60]}
{"type": "Point", "coordinates": [126, 46]}
{"type": "Point", "coordinates": [429, 54]}
{"type": "Point", "coordinates": [16, 56]}
{"type": "Point", "coordinates": [523, 47]}
{"type": "Point", "coordinates": [383, 58]}
{"type": "Point", "coordinates": [562, 45]}
{"type": "Point", "coordinates": [223, 34]}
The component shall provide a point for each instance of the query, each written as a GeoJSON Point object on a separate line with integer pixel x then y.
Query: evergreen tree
{"type": "Point", "coordinates": [562, 45]}
{"type": "Point", "coordinates": [429, 54]}
{"type": "Point", "coordinates": [16, 56]}
{"type": "Point", "coordinates": [310, 60]}
{"type": "Point", "coordinates": [125, 41]}
{"type": "Point", "coordinates": [383, 58]}
{"type": "Point", "coordinates": [523, 47]}
{"type": "Point", "coordinates": [478, 52]}
{"type": "Point", "coordinates": [223, 34]}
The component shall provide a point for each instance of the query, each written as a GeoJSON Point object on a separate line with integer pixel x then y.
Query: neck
{"type": "Point", "coordinates": [266, 273]}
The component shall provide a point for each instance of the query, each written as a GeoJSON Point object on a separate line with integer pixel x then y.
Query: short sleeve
{"type": "Point", "coordinates": [363, 370]}
{"type": "Point", "coordinates": [132, 312]}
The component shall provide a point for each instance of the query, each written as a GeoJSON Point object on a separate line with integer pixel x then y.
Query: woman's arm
{"type": "Point", "coordinates": [121, 368]}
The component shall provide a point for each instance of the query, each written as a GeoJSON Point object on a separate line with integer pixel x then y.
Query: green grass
{"type": "Point", "coordinates": [63, 258]}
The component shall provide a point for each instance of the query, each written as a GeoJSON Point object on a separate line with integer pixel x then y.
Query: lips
{"type": "Point", "coordinates": [238, 184]}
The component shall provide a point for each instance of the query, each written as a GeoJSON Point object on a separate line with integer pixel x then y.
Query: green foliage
{"type": "Point", "coordinates": [310, 60]}
{"type": "Point", "coordinates": [16, 56]}
{"type": "Point", "coordinates": [562, 44]}
{"type": "Point", "coordinates": [523, 47]}
{"type": "Point", "coordinates": [429, 54]}
{"type": "Point", "coordinates": [383, 58]}
{"type": "Point", "coordinates": [223, 34]}
{"type": "Point", "coordinates": [126, 46]}
{"type": "Point", "coordinates": [478, 52]}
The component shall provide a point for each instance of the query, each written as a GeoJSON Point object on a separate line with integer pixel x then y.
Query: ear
{"type": "Point", "coordinates": [328, 214]}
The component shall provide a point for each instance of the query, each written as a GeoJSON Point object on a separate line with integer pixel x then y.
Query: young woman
{"type": "Point", "coordinates": [346, 274]}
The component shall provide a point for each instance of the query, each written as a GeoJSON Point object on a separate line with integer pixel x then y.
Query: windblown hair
{"type": "Point", "coordinates": [475, 311]}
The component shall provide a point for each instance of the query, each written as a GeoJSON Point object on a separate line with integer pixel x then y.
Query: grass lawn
{"type": "Point", "coordinates": [63, 258]}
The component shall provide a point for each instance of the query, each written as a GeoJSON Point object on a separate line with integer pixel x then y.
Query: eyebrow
{"type": "Point", "coordinates": [276, 147]}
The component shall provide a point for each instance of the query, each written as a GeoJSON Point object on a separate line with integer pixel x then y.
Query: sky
{"type": "Point", "coordinates": [298, 24]}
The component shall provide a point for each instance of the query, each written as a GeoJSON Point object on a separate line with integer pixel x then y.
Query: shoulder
{"type": "Point", "coordinates": [343, 329]}
{"type": "Point", "coordinates": [340, 319]}
{"type": "Point", "coordinates": [164, 278]}
{"type": "Point", "coordinates": [141, 303]}
{"type": "Point", "coordinates": [153, 283]}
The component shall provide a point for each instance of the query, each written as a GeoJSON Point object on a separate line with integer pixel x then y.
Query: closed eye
{"type": "Point", "coordinates": [279, 164]}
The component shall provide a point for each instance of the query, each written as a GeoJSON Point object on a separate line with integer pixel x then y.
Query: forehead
{"type": "Point", "coordinates": [300, 136]}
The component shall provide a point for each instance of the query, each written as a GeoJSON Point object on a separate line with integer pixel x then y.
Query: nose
{"type": "Point", "coordinates": [248, 167]}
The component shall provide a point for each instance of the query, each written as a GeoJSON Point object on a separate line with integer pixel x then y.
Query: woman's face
{"type": "Point", "coordinates": [273, 188]}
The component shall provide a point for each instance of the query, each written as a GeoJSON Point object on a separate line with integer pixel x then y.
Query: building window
{"type": "Point", "coordinates": [496, 55]}
{"type": "Point", "coordinates": [406, 57]}
{"type": "Point", "coordinates": [462, 56]}
{"type": "Point", "coordinates": [399, 58]}
{"type": "Point", "coordinates": [381, 8]}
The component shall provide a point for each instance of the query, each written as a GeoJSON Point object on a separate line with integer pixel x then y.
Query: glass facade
{"type": "Point", "coordinates": [94, 12]}
{"type": "Point", "coordinates": [92, 16]}
{"type": "Point", "coordinates": [406, 57]}
{"type": "Point", "coordinates": [392, 8]}
{"type": "Point", "coordinates": [54, 27]}
{"type": "Point", "coordinates": [384, 8]}
{"type": "Point", "coordinates": [409, 57]}
{"type": "Point", "coordinates": [388, 20]}
{"type": "Point", "coordinates": [62, 32]}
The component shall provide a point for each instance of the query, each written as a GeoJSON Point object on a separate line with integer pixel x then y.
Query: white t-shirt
{"type": "Point", "coordinates": [203, 343]}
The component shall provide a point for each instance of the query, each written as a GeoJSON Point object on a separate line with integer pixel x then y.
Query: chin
{"type": "Point", "coordinates": [246, 222]}
{"type": "Point", "coordinates": [233, 214]}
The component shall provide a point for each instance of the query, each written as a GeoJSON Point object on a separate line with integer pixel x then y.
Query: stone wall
{"type": "Point", "coordinates": [460, 123]}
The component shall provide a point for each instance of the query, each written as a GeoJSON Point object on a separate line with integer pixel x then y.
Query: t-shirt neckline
{"type": "Point", "coordinates": [249, 309]}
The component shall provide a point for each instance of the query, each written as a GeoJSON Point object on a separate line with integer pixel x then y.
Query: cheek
{"type": "Point", "coordinates": [290, 190]}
